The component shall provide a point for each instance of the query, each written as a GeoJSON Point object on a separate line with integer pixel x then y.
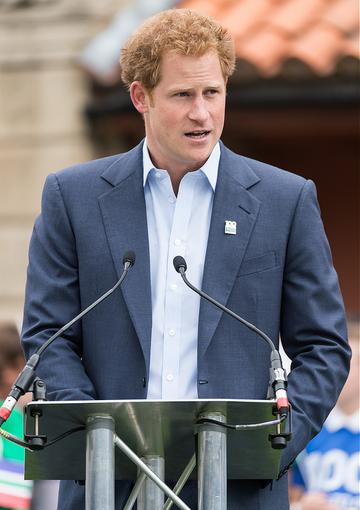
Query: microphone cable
{"type": "Point", "coordinates": [27, 375]}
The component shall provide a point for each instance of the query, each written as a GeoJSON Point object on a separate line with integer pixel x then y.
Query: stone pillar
{"type": "Point", "coordinates": [42, 129]}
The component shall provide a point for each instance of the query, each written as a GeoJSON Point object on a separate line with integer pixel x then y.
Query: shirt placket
{"type": "Point", "coordinates": [174, 293]}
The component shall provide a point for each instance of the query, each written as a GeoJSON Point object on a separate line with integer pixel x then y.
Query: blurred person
{"type": "Point", "coordinates": [44, 493]}
{"type": "Point", "coordinates": [326, 475]}
{"type": "Point", "coordinates": [253, 239]}
{"type": "Point", "coordinates": [15, 492]}
{"type": "Point", "coordinates": [11, 356]}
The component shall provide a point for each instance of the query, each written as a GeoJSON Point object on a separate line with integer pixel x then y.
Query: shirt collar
{"type": "Point", "coordinates": [338, 420]}
{"type": "Point", "coordinates": [210, 168]}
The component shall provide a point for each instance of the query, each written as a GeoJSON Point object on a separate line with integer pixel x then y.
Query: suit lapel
{"type": "Point", "coordinates": [225, 252]}
{"type": "Point", "coordinates": [124, 216]}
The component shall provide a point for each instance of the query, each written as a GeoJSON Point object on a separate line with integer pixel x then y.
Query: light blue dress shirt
{"type": "Point", "coordinates": [176, 226]}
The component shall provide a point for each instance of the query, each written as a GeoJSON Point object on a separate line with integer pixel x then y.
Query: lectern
{"type": "Point", "coordinates": [157, 441]}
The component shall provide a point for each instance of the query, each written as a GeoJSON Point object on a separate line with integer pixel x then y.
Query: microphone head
{"type": "Point", "coordinates": [179, 262]}
{"type": "Point", "coordinates": [129, 258]}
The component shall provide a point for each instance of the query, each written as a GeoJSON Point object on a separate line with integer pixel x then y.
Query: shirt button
{"type": "Point", "coordinates": [157, 174]}
{"type": "Point", "coordinates": [177, 242]}
{"type": "Point", "coordinates": [171, 200]}
{"type": "Point", "coordinates": [173, 286]}
{"type": "Point", "coordinates": [170, 377]}
{"type": "Point", "coordinates": [172, 332]}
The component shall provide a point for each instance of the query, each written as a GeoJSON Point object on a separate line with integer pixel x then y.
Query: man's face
{"type": "Point", "coordinates": [184, 113]}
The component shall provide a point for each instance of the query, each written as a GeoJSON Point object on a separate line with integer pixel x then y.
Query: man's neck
{"type": "Point", "coordinates": [175, 180]}
{"type": "Point", "coordinates": [209, 167]}
{"type": "Point", "coordinates": [176, 172]}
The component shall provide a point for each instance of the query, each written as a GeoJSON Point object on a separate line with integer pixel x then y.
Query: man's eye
{"type": "Point", "coordinates": [182, 94]}
{"type": "Point", "coordinates": [211, 92]}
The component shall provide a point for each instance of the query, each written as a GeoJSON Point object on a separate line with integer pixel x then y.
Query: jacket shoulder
{"type": "Point", "coordinates": [112, 168]}
{"type": "Point", "coordinates": [271, 173]}
{"type": "Point", "coordinates": [250, 171]}
{"type": "Point", "coordinates": [87, 169]}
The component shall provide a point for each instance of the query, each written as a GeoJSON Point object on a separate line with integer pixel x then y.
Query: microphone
{"type": "Point", "coordinates": [27, 375]}
{"type": "Point", "coordinates": [278, 379]}
{"type": "Point", "coordinates": [128, 259]}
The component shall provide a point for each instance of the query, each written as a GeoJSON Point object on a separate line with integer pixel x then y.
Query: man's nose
{"type": "Point", "coordinates": [199, 111]}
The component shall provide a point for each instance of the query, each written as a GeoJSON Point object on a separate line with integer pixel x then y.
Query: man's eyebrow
{"type": "Point", "coordinates": [177, 89]}
{"type": "Point", "coordinates": [174, 90]}
{"type": "Point", "coordinates": [213, 87]}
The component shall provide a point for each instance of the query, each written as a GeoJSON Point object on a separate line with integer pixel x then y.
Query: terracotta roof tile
{"type": "Point", "coordinates": [296, 36]}
{"type": "Point", "coordinates": [349, 63]}
{"type": "Point", "coordinates": [265, 49]}
{"type": "Point", "coordinates": [344, 15]}
{"type": "Point", "coordinates": [244, 16]}
{"type": "Point", "coordinates": [352, 46]}
{"type": "Point", "coordinates": [294, 16]}
{"type": "Point", "coordinates": [204, 7]}
{"type": "Point", "coordinates": [319, 48]}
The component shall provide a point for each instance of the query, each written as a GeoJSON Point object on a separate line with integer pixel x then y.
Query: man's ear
{"type": "Point", "coordinates": [139, 97]}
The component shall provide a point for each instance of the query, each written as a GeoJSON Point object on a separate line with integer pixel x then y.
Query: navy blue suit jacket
{"type": "Point", "coordinates": [276, 272]}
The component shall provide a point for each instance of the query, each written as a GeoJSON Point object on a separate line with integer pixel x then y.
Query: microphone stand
{"type": "Point", "coordinates": [28, 380]}
{"type": "Point", "coordinates": [278, 380]}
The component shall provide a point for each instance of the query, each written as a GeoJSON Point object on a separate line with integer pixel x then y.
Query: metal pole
{"type": "Point", "coordinates": [135, 492]}
{"type": "Point", "coordinates": [151, 497]}
{"type": "Point", "coordinates": [100, 464]}
{"type": "Point", "coordinates": [132, 456]}
{"type": "Point", "coordinates": [182, 481]}
{"type": "Point", "coordinates": [212, 472]}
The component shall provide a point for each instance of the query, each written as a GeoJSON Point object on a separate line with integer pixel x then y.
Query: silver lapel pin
{"type": "Point", "coordinates": [230, 227]}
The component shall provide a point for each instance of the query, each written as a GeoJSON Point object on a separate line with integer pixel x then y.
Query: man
{"type": "Point", "coordinates": [172, 195]}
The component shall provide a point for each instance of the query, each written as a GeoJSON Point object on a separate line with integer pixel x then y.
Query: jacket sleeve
{"type": "Point", "coordinates": [313, 327]}
{"type": "Point", "coordinates": [52, 299]}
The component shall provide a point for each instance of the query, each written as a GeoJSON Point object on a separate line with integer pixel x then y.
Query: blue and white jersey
{"type": "Point", "coordinates": [331, 461]}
